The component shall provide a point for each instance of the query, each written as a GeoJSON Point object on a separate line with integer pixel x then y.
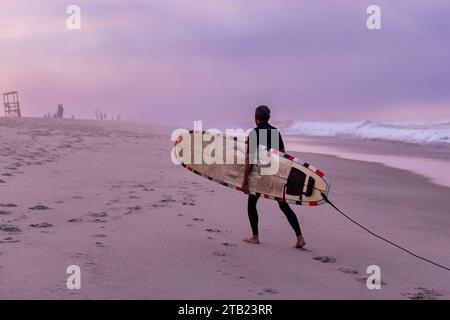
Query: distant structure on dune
{"type": "Point", "coordinates": [12, 106]}
{"type": "Point", "coordinates": [59, 114]}
{"type": "Point", "coordinates": [100, 115]}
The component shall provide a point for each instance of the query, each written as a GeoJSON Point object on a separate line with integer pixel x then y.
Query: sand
{"type": "Point", "coordinates": [105, 196]}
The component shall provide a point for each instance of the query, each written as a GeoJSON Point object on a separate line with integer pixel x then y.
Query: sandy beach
{"type": "Point", "coordinates": [104, 195]}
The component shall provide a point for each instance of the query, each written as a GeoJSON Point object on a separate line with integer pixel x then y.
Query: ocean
{"type": "Point", "coordinates": [415, 132]}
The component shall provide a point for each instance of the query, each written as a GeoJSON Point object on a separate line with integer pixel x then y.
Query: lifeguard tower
{"type": "Point", "coordinates": [12, 107]}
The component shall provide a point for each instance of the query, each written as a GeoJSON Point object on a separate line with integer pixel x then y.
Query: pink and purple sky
{"type": "Point", "coordinates": [173, 61]}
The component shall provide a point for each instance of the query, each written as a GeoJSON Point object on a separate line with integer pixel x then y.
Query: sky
{"type": "Point", "coordinates": [173, 61]}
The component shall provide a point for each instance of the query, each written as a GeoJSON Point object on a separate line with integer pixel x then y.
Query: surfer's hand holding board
{"type": "Point", "coordinates": [245, 187]}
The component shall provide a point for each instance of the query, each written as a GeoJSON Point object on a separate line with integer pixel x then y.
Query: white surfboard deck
{"type": "Point", "coordinates": [288, 184]}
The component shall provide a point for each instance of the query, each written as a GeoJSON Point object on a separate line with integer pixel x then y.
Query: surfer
{"type": "Point", "coordinates": [264, 136]}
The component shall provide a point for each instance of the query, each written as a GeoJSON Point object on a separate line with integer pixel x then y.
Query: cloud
{"type": "Point", "coordinates": [212, 59]}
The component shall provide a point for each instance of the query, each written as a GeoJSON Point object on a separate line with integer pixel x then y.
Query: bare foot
{"type": "Point", "coordinates": [300, 242]}
{"type": "Point", "coordinates": [252, 239]}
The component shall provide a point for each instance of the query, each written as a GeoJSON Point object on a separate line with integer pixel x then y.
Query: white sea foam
{"type": "Point", "coordinates": [418, 132]}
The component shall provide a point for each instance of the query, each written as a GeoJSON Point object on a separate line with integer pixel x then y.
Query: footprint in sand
{"type": "Point", "coordinates": [167, 199]}
{"type": "Point", "coordinates": [198, 219]}
{"type": "Point", "coordinates": [424, 294]}
{"type": "Point", "coordinates": [8, 205]}
{"type": "Point", "coordinates": [41, 225]}
{"type": "Point", "coordinates": [75, 220]}
{"type": "Point", "coordinates": [39, 207]}
{"type": "Point", "coordinates": [347, 270]}
{"type": "Point", "coordinates": [9, 240]}
{"type": "Point", "coordinates": [98, 216]}
{"type": "Point", "coordinates": [214, 230]}
{"type": "Point", "coordinates": [143, 187]}
{"type": "Point", "coordinates": [325, 259]}
{"type": "Point", "coordinates": [4, 212]}
{"type": "Point", "coordinates": [268, 291]}
{"type": "Point", "coordinates": [135, 208]}
{"type": "Point", "coordinates": [9, 228]}
{"type": "Point", "coordinates": [188, 203]}
{"type": "Point", "coordinates": [364, 280]}
{"type": "Point", "coordinates": [99, 235]}
{"type": "Point", "coordinates": [2, 181]}
{"type": "Point", "coordinates": [228, 245]}
{"type": "Point", "coordinates": [157, 205]}
{"type": "Point", "coordinates": [219, 254]}
{"type": "Point", "coordinates": [7, 175]}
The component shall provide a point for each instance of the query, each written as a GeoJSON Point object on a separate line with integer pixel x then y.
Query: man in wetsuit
{"type": "Point", "coordinates": [266, 135]}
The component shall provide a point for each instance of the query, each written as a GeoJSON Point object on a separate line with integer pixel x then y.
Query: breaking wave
{"type": "Point", "coordinates": [417, 132]}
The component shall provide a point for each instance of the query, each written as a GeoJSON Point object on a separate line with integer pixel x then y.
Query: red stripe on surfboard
{"type": "Point", "coordinates": [291, 158]}
{"type": "Point", "coordinates": [320, 173]}
{"type": "Point", "coordinates": [311, 204]}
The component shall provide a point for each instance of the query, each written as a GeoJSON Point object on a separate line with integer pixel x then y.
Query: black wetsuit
{"type": "Point", "coordinates": [252, 199]}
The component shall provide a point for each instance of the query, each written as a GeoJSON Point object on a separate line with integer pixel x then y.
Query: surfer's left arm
{"type": "Point", "coordinates": [281, 143]}
{"type": "Point", "coordinates": [251, 151]}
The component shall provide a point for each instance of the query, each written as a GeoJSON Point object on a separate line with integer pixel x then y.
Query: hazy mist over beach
{"type": "Point", "coordinates": [173, 61]}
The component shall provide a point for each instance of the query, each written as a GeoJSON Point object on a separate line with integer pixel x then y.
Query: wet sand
{"type": "Point", "coordinates": [430, 161]}
{"type": "Point", "coordinates": [106, 197]}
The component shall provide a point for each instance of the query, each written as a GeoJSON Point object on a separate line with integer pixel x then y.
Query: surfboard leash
{"type": "Point", "coordinates": [324, 196]}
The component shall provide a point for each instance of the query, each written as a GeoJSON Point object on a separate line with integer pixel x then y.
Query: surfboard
{"type": "Point", "coordinates": [207, 154]}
